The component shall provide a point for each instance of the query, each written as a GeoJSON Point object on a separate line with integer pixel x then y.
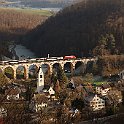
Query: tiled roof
{"type": "Point", "coordinates": [39, 98]}
{"type": "Point", "coordinates": [13, 91]}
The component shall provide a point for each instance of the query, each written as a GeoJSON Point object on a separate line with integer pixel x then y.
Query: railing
{"type": "Point", "coordinates": [37, 60]}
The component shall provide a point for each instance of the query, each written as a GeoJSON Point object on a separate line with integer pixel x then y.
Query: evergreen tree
{"type": "Point", "coordinates": [95, 69]}
{"type": "Point", "coordinates": [111, 43]}
{"type": "Point", "coordinates": [54, 78]}
{"type": "Point", "coordinates": [106, 45]}
{"type": "Point", "coordinates": [102, 41]}
{"type": "Point", "coordinates": [3, 79]}
{"type": "Point", "coordinates": [89, 77]}
{"type": "Point", "coordinates": [57, 87]}
{"type": "Point", "coordinates": [61, 75]}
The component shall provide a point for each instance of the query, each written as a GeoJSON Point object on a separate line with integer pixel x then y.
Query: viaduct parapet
{"type": "Point", "coordinates": [38, 62]}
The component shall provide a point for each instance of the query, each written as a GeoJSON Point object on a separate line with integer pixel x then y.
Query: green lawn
{"type": "Point", "coordinates": [31, 11]}
{"type": "Point", "coordinates": [100, 82]}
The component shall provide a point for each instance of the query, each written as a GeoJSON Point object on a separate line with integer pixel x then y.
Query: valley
{"type": "Point", "coordinates": [16, 22]}
{"type": "Point", "coordinates": [61, 61]}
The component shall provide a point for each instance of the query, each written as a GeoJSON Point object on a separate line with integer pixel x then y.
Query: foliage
{"type": "Point", "coordinates": [95, 69]}
{"type": "Point", "coordinates": [89, 77]}
{"type": "Point", "coordinates": [106, 45]}
{"type": "Point", "coordinates": [15, 23]}
{"type": "Point", "coordinates": [28, 94]}
{"type": "Point", "coordinates": [9, 72]}
{"type": "Point", "coordinates": [62, 96]}
{"type": "Point", "coordinates": [3, 79]}
{"type": "Point", "coordinates": [78, 104]}
{"type": "Point", "coordinates": [4, 49]}
{"type": "Point", "coordinates": [111, 64]}
{"type": "Point", "coordinates": [54, 77]}
{"type": "Point", "coordinates": [15, 113]}
{"type": "Point", "coordinates": [61, 75]}
{"type": "Point", "coordinates": [78, 28]}
{"type": "Point", "coordinates": [57, 87]}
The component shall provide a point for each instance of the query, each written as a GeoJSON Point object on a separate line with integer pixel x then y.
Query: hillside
{"type": "Point", "coordinates": [76, 29]}
{"type": "Point", "coordinates": [14, 23]}
{"type": "Point", "coordinates": [111, 64]}
{"type": "Point", "coordinates": [18, 21]}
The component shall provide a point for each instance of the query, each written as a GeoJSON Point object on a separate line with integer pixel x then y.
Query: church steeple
{"type": "Point", "coordinates": [40, 82]}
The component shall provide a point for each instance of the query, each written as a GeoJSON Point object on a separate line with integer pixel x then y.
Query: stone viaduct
{"type": "Point", "coordinates": [38, 62]}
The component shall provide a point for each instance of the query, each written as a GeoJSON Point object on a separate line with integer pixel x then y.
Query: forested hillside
{"type": "Point", "coordinates": [77, 29]}
{"type": "Point", "coordinates": [16, 22]}
{"type": "Point", "coordinates": [111, 64]}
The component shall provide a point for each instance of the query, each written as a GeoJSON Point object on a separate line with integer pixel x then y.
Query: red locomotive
{"type": "Point", "coordinates": [69, 57]}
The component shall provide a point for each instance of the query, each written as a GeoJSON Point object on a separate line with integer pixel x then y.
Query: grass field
{"type": "Point", "coordinates": [30, 11]}
{"type": "Point", "coordinates": [100, 83]}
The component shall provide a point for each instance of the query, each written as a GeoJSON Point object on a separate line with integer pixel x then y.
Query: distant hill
{"type": "Point", "coordinates": [76, 29]}
{"type": "Point", "coordinates": [44, 3]}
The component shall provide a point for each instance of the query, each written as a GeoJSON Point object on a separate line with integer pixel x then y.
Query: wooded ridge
{"type": "Point", "coordinates": [78, 28]}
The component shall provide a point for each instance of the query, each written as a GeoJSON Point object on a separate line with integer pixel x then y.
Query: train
{"type": "Point", "coordinates": [69, 57]}
{"type": "Point", "coordinates": [38, 60]}
{"type": "Point", "coordinates": [61, 58]}
{"type": "Point", "coordinates": [52, 58]}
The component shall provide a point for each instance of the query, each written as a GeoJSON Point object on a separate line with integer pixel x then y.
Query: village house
{"type": "Point", "coordinates": [103, 89]}
{"type": "Point", "coordinates": [39, 102]}
{"type": "Point", "coordinates": [94, 102]}
{"type": "Point", "coordinates": [48, 91]}
{"type": "Point", "coordinates": [13, 94]}
{"type": "Point", "coordinates": [3, 112]}
{"type": "Point", "coordinates": [115, 96]}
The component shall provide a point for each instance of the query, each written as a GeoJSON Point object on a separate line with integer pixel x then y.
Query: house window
{"type": "Point", "coordinates": [40, 76]}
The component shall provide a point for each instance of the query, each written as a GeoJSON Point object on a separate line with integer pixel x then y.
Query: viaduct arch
{"type": "Point", "coordinates": [70, 65]}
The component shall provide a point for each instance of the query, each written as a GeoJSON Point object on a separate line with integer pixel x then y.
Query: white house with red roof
{"type": "Point", "coordinates": [103, 89]}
